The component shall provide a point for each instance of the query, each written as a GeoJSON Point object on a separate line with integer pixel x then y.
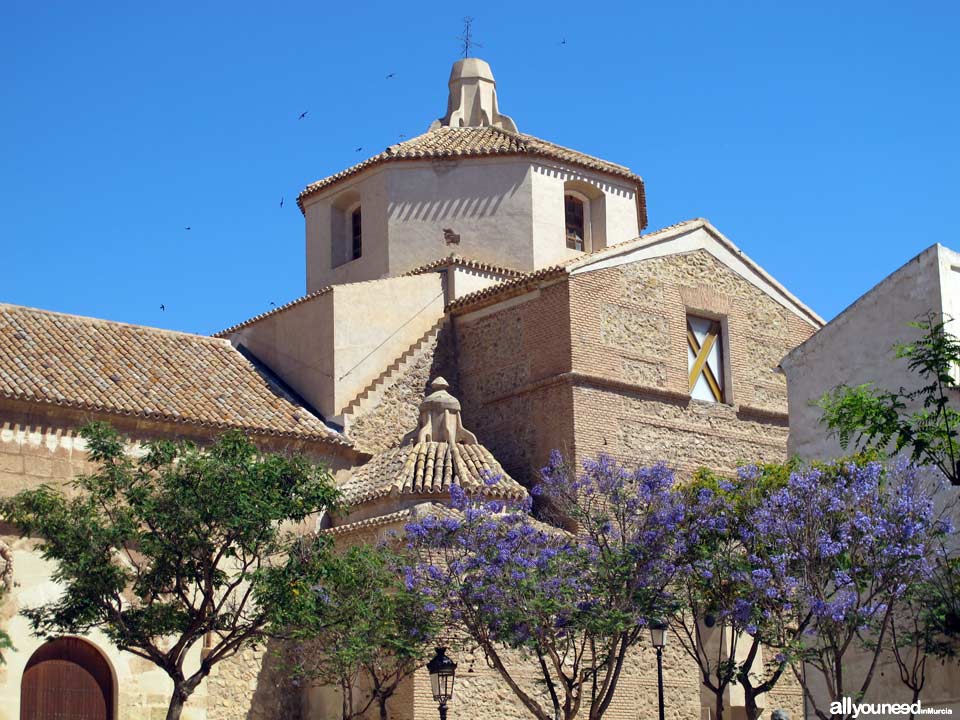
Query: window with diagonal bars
{"type": "Point", "coordinates": [705, 359]}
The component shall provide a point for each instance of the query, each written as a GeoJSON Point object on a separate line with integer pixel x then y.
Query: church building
{"type": "Point", "coordinates": [475, 297]}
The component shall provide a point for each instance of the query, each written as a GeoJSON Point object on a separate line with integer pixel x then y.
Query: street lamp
{"type": "Point", "coordinates": [658, 636]}
{"type": "Point", "coordinates": [442, 671]}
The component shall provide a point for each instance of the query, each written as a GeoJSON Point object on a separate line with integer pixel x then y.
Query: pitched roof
{"type": "Point", "coordinates": [138, 371]}
{"type": "Point", "coordinates": [455, 260]}
{"type": "Point", "coordinates": [429, 468]}
{"type": "Point", "coordinates": [410, 514]}
{"type": "Point", "coordinates": [636, 249]}
{"type": "Point", "coordinates": [457, 142]}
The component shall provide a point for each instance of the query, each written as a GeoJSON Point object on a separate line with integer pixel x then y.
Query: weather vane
{"type": "Point", "coordinates": [467, 38]}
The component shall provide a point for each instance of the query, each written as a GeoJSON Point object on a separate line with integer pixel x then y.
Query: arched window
{"type": "Point", "coordinates": [356, 233]}
{"type": "Point", "coordinates": [576, 217]}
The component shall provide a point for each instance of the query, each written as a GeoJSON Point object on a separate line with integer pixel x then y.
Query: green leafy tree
{"type": "Point", "coordinates": [178, 547]}
{"type": "Point", "coordinates": [873, 417]}
{"type": "Point", "coordinates": [366, 632]}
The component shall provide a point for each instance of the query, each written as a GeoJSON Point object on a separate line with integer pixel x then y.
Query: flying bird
{"type": "Point", "coordinates": [303, 115]}
{"type": "Point", "coordinates": [162, 307]}
{"type": "Point", "coordinates": [272, 304]}
{"type": "Point", "coordinates": [358, 149]}
{"type": "Point", "coordinates": [187, 227]}
{"type": "Point", "coordinates": [391, 75]}
{"type": "Point", "coordinates": [281, 201]}
{"type": "Point", "coordinates": [563, 42]}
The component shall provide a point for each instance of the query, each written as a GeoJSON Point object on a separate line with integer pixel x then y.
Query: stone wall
{"type": "Point", "coordinates": [508, 360]}
{"type": "Point", "coordinates": [254, 685]}
{"type": "Point", "coordinates": [36, 449]}
{"type": "Point", "coordinates": [629, 349]}
{"type": "Point", "coordinates": [398, 412]}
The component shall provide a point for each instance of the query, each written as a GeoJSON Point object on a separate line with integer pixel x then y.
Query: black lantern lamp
{"type": "Point", "coordinates": [442, 671]}
{"type": "Point", "coordinates": [658, 637]}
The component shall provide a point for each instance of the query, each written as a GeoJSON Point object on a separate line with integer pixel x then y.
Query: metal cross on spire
{"type": "Point", "coordinates": [466, 40]}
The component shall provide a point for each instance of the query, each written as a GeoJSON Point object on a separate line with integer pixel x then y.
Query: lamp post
{"type": "Point", "coordinates": [442, 671]}
{"type": "Point", "coordinates": [658, 636]}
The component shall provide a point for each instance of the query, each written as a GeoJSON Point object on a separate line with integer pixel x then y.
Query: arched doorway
{"type": "Point", "coordinates": [66, 678]}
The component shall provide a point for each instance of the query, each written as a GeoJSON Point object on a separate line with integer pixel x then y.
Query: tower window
{"type": "Point", "coordinates": [575, 223]}
{"type": "Point", "coordinates": [705, 359]}
{"type": "Point", "coordinates": [356, 234]}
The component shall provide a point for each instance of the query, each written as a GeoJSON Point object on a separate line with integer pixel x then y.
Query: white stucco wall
{"type": "Point", "coordinates": [328, 348]}
{"type": "Point", "coordinates": [856, 346]}
{"type": "Point", "coordinates": [297, 345]}
{"type": "Point", "coordinates": [484, 200]}
{"type": "Point", "coordinates": [508, 211]}
{"type": "Point", "coordinates": [613, 211]}
{"type": "Point", "coordinates": [374, 323]}
{"type": "Point", "coordinates": [323, 267]}
{"type": "Point", "coordinates": [463, 281]}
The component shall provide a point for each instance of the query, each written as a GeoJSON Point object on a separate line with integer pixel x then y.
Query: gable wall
{"type": "Point", "coordinates": [629, 347]}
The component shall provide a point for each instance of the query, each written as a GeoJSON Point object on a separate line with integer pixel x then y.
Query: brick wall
{"type": "Point", "coordinates": [508, 360]}
{"type": "Point", "coordinates": [629, 355]}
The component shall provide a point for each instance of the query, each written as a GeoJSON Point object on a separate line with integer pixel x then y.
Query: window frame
{"type": "Point", "coordinates": [354, 243]}
{"type": "Point", "coordinates": [585, 204]}
{"type": "Point", "coordinates": [718, 379]}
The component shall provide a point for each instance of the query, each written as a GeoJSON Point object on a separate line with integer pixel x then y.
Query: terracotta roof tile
{"type": "Point", "coordinates": [429, 468]}
{"type": "Point", "coordinates": [460, 261]}
{"type": "Point", "coordinates": [410, 514]}
{"type": "Point", "coordinates": [146, 372]}
{"type": "Point", "coordinates": [456, 142]}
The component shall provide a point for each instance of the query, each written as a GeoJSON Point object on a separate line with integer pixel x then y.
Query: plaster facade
{"type": "Point", "coordinates": [329, 346]}
{"type": "Point", "coordinates": [857, 347]}
{"type": "Point", "coordinates": [506, 211]}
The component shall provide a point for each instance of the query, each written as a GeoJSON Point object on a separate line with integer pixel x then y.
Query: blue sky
{"type": "Point", "coordinates": [821, 137]}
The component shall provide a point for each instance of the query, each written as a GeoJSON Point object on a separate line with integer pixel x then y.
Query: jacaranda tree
{"type": "Point", "coordinates": [175, 547]}
{"type": "Point", "coordinates": [843, 545]}
{"type": "Point", "coordinates": [730, 622]}
{"type": "Point", "coordinates": [573, 603]}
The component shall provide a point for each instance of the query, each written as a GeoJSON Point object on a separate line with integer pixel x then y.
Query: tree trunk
{"type": "Point", "coordinates": [382, 702]}
{"type": "Point", "coordinates": [177, 701]}
{"type": "Point", "coordinates": [719, 714]}
{"type": "Point", "coordinates": [750, 709]}
{"type": "Point", "coordinates": [916, 696]}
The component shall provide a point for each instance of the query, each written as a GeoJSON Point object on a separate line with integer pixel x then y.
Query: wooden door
{"type": "Point", "coordinates": [66, 679]}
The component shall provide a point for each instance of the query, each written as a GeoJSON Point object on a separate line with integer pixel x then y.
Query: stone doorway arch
{"type": "Point", "coordinates": [67, 678]}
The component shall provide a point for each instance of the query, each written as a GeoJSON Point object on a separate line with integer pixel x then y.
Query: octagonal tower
{"type": "Point", "coordinates": [471, 185]}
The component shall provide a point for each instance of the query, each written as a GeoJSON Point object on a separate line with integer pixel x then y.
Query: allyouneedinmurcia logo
{"type": "Point", "coordinates": [848, 708]}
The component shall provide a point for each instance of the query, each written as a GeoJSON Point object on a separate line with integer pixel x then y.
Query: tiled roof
{"type": "Point", "coordinates": [410, 514]}
{"type": "Point", "coordinates": [460, 261]}
{"type": "Point", "coordinates": [457, 142]}
{"type": "Point", "coordinates": [429, 468]}
{"type": "Point", "coordinates": [138, 371]}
